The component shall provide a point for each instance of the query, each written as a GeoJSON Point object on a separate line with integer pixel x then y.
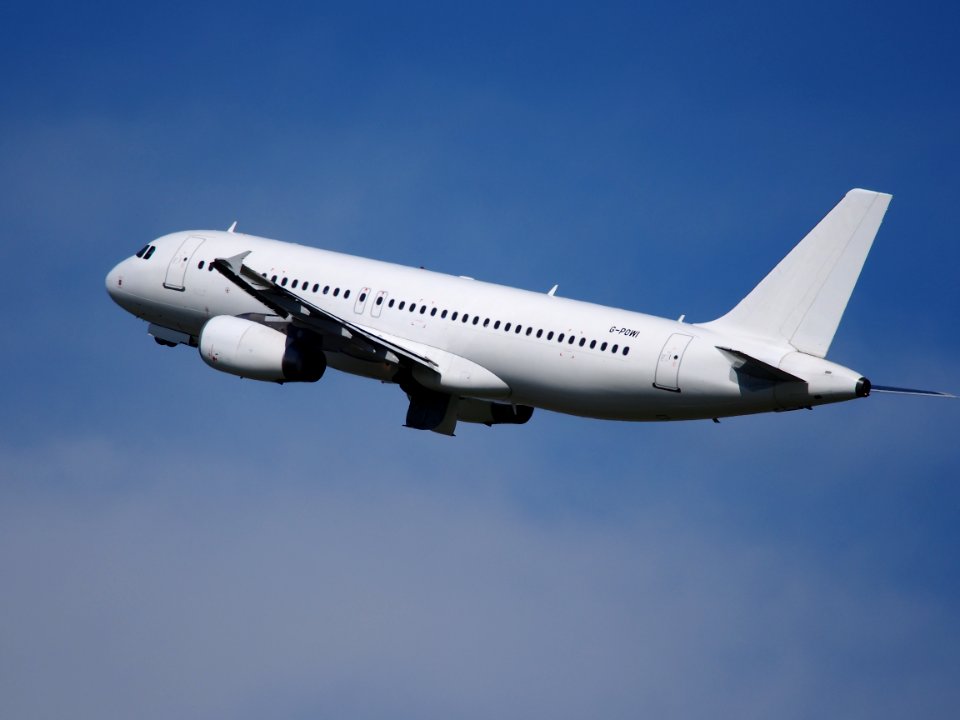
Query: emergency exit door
{"type": "Point", "coordinates": [667, 376]}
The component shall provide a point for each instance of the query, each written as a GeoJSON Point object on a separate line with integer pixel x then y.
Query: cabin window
{"type": "Point", "coordinates": [316, 286]}
{"type": "Point", "coordinates": [486, 322]}
{"type": "Point", "coordinates": [571, 340]}
{"type": "Point", "coordinates": [294, 285]}
{"type": "Point", "coordinates": [453, 315]}
{"type": "Point", "coordinates": [326, 289]}
{"type": "Point", "coordinates": [379, 300]}
{"type": "Point", "coordinates": [496, 325]}
{"type": "Point", "coordinates": [433, 312]}
{"type": "Point", "coordinates": [550, 335]}
{"type": "Point", "coordinates": [443, 314]}
{"type": "Point", "coordinates": [465, 318]}
{"type": "Point", "coordinates": [614, 349]}
{"type": "Point", "coordinates": [346, 294]}
{"type": "Point", "coordinates": [423, 309]}
{"type": "Point", "coordinates": [363, 296]}
{"type": "Point", "coordinates": [593, 344]}
{"type": "Point", "coordinates": [390, 304]}
{"type": "Point", "coordinates": [476, 319]}
{"type": "Point", "coordinates": [626, 350]}
{"type": "Point", "coordinates": [413, 306]}
{"type": "Point", "coordinates": [603, 346]}
{"type": "Point", "coordinates": [560, 337]}
{"type": "Point", "coordinates": [336, 292]}
{"type": "Point", "coordinates": [540, 333]}
{"type": "Point", "coordinates": [273, 279]}
{"type": "Point", "coordinates": [210, 269]}
{"type": "Point", "coordinates": [506, 328]}
{"type": "Point", "coordinates": [200, 265]}
{"type": "Point", "coordinates": [284, 282]}
{"type": "Point", "coordinates": [401, 305]}
{"type": "Point", "coordinates": [583, 341]}
{"type": "Point", "coordinates": [518, 329]}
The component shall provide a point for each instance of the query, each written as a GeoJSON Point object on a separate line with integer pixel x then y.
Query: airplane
{"type": "Point", "coordinates": [464, 350]}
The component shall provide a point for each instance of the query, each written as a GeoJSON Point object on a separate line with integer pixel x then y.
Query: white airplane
{"type": "Point", "coordinates": [465, 350]}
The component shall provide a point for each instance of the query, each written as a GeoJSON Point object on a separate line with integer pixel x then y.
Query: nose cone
{"type": "Point", "coordinates": [114, 283]}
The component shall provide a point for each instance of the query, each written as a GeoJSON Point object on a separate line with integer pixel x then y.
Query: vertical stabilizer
{"type": "Point", "coordinates": [803, 298]}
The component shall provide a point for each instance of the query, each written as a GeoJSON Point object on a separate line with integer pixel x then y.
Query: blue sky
{"type": "Point", "coordinates": [176, 542]}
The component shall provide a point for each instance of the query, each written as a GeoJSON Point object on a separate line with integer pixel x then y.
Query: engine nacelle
{"type": "Point", "coordinates": [251, 350]}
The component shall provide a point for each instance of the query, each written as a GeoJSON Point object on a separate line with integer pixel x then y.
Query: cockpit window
{"type": "Point", "coordinates": [150, 252]}
{"type": "Point", "coordinates": [142, 250]}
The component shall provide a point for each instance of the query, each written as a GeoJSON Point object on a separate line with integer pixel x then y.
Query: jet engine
{"type": "Point", "coordinates": [251, 350]}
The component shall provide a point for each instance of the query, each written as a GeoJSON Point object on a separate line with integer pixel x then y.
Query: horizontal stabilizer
{"type": "Point", "coordinates": [757, 368]}
{"type": "Point", "coordinates": [909, 391]}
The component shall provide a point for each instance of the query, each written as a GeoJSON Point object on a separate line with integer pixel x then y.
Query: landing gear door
{"type": "Point", "coordinates": [667, 376]}
{"type": "Point", "coordinates": [177, 269]}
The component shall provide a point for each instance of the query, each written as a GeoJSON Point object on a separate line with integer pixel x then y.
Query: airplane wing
{"type": "Point", "coordinates": [351, 338]}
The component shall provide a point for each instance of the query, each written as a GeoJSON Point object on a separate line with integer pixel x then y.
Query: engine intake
{"type": "Point", "coordinates": [251, 350]}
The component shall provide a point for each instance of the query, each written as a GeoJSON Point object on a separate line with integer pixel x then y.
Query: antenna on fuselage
{"type": "Point", "coordinates": [233, 227]}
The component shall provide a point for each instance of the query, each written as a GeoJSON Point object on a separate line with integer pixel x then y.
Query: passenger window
{"type": "Point", "coordinates": [603, 346]}
{"type": "Point", "coordinates": [486, 322]}
{"type": "Point", "coordinates": [626, 350]}
{"type": "Point", "coordinates": [593, 344]}
{"type": "Point", "coordinates": [540, 333]}
{"type": "Point", "coordinates": [326, 289]}
{"type": "Point", "coordinates": [506, 328]}
{"type": "Point", "coordinates": [380, 300]}
{"type": "Point", "coordinates": [390, 304]}
{"type": "Point", "coordinates": [550, 335]}
{"type": "Point", "coordinates": [200, 265]}
{"type": "Point", "coordinates": [476, 319]}
{"type": "Point", "coordinates": [273, 279]}
{"type": "Point", "coordinates": [443, 314]}
{"type": "Point", "coordinates": [614, 349]}
{"type": "Point", "coordinates": [496, 325]}
{"type": "Point", "coordinates": [284, 282]}
{"type": "Point", "coordinates": [583, 341]}
{"type": "Point", "coordinates": [465, 318]}
{"type": "Point", "coordinates": [570, 341]}
{"type": "Point", "coordinates": [401, 305]}
{"type": "Point", "coordinates": [294, 285]}
{"type": "Point", "coordinates": [529, 330]}
{"type": "Point", "coordinates": [560, 337]}
{"type": "Point", "coordinates": [363, 296]}
{"type": "Point", "coordinates": [433, 312]}
{"type": "Point", "coordinates": [346, 294]}
{"type": "Point", "coordinates": [518, 329]}
{"type": "Point", "coordinates": [413, 306]}
{"type": "Point", "coordinates": [336, 292]}
{"type": "Point", "coordinates": [316, 287]}
{"type": "Point", "coordinates": [453, 316]}
{"type": "Point", "coordinates": [423, 309]}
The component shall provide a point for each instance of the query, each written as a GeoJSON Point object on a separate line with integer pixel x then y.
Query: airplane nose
{"type": "Point", "coordinates": [114, 282]}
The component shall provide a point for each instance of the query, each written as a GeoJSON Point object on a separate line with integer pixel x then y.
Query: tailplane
{"type": "Point", "coordinates": [803, 298]}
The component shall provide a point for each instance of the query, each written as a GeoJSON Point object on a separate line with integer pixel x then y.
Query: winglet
{"type": "Point", "coordinates": [233, 227]}
{"type": "Point", "coordinates": [553, 291]}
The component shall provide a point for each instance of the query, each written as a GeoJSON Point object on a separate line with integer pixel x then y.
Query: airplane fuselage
{"type": "Point", "coordinates": [489, 342]}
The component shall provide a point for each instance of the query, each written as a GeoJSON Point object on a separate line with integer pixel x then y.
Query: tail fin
{"type": "Point", "coordinates": [803, 298]}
